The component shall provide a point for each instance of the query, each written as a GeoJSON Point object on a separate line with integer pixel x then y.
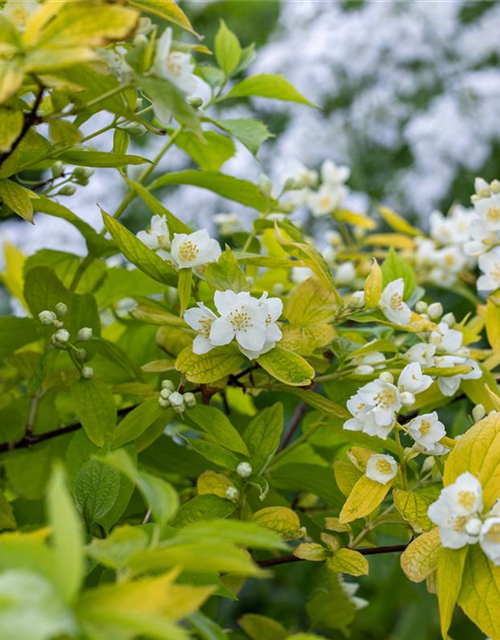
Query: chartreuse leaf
{"type": "Point", "coordinates": [356, 219]}
{"type": "Point", "coordinates": [252, 133]}
{"type": "Point", "coordinates": [450, 571]}
{"type": "Point", "coordinates": [97, 487]}
{"type": "Point", "coordinates": [169, 10]}
{"type": "Point", "coordinates": [18, 198]}
{"type": "Point", "coordinates": [227, 49]}
{"type": "Point", "coordinates": [134, 250]}
{"type": "Point", "coordinates": [169, 100]}
{"type": "Point", "coordinates": [15, 333]}
{"type": "Point", "coordinates": [263, 435]}
{"type": "Point", "coordinates": [211, 366]}
{"type": "Point", "coordinates": [213, 483]}
{"type": "Point", "coordinates": [267, 85]}
{"type": "Point", "coordinates": [246, 534]}
{"type": "Point", "coordinates": [312, 552]}
{"type": "Point", "coordinates": [137, 421]}
{"type": "Point", "coordinates": [493, 322]}
{"type": "Point", "coordinates": [7, 519]}
{"type": "Point", "coordinates": [11, 123]}
{"type": "Point", "coordinates": [226, 274]}
{"type": "Point", "coordinates": [373, 286]}
{"type": "Point", "coordinates": [100, 159]}
{"type": "Point", "coordinates": [211, 152]}
{"type": "Point", "coordinates": [348, 561]}
{"type": "Point", "coordinates": [413, 507]}
{"type": "Point", "coordinates": [184, 289]}
{"type": "Point", "coordinates": [67, 536]}
{"type": "Point", "coordinates": [226, 186]}
{"type": "Point", "coordinates": [395, 267]}
{"type": "Point", "coordinates": [319, 402]}
{"type": "Point", "coordinates": [287, 367]}
{"type": "Point", "coordinates": [217, 428]}
{"type": "Point", "coordinates": [397, 222]}
{"type": "Point", "coordinates": [202, 509]}
{"type": "Point", "coordinates": [262, 628]}
{"type": "Point", "coordinates": [420, 558]}
{"type": "Point", "coordinates": [205, 627]}
{"type": "Point", "coordinates": [364, 498]}
{"type": "Point", "coordinates": [279, 519]}
{"type": "Point", "coordinates": [95, 408]}
{"type": "Point", "coordinates": [157, 315]}
{"type": "Point", "coordinates": [215, 453]}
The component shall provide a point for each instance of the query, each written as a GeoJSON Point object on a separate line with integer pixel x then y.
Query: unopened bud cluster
{"type": "Point", "coordinates": [61, 338]}
{"type": "Point", "coordinates": [169, 397]}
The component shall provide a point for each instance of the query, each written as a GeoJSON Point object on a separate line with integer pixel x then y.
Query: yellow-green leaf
{"type": "Point", "coordinates": [365, 497]}
{"type": "Point", "coordinates": [279, 519]}
{"type": "Point", "coordinates": [262, 628]}
{"type": "Point", "coordinates": [213, 483]}
{"type": "Point", "coordinates": [493, 322]}
{"type": "Point", "coordinates": [348, 561]}
{"type": "Point", "coordinates": [287, 367]}
{"type": "Point", "coordinates": [413, 507]}
{"type": "Point", "coordinates": [184, 289]}
{"type": "Point", "coordinates": [373, 286]}
{"type": "Point", "coordinates": [356, 219]}
{"type": "Point", "coordinates": [267, 85]}
{"type": "Point", "coordinates": [397, 222]}
{"type": "Point", "coordinates": [311, 551]}
{"type": "Point", "coordinates": [17, 198]}
{"type": "Point", "coordinates": [227, 49]}
{"type": "Point", "coordinates": [420, 558]}
{"type": "Point", "coordinates": [449, 578]}
{"type": "Point", "coordinates": [167, 9]}
{"type": "Point", "coordinates": [11, 123]}
{"type": "Point", "coordinates": [311, 302]}
{"type": "Point", "coordinates": [226, 274]}
{"type": "Point", "coordinates": [211, 366]}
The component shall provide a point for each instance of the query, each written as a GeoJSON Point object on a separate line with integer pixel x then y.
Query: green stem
{"type": "Point", "coordinates": [401, 455]}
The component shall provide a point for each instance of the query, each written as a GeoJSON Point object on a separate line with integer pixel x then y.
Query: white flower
{"type": "Point", "coordinates": [488, 210]}
{"type": "Point", "coordinates": [448, 385]}
{"type": "Point", "coordinates": [457, 504]}
{"type": "Point", "coordinates": [446, 339]}
{"type": "Point", "coordinates": [489, 539]}
{"type": "Point", "coordinates": [453, 229]}
{"type": "Point", "coordinates": [334, 174]}
{"type": "Point", "coordinates": [384, 401]}
{"type": "Point", "coordinates": [300, 274]}
{"type": "Point", "coordinates": [228, 223]}
{"type": "Point", "coordinates": [350, 589]}
{"type": "Point", "coordinates": [175, 66]}
{"type": "Point", "coordinates": [427, 430]}
{"type": "Point", "coordinates": [345, 274]}
{"type": "Point", "coordinates": [422, 353]}
{"type": "Point", "coordinates": [481, 238]}
{"type": "Point", "coordinates": [392, 304]}
{"type": "Point", "coordinates": [20, 11]}
{"type": "Point", "coordinates": [328, 198]}
{"type": "Point", "coordinates": [489, 263]}
{"type": "Point", "coordinates": [158, 236]}
{"type": "Point", "coordinates": [252, 322]}
{"type": "Point", "coordinates": [478, 412]}
{"type": "Point", "coordinates": [200, 319]}
{"type": "Point", "coordinates": [381, 468]}
{"type": "Point", "coordinates": [195, 249]}
{"type": "Point", "coordinates": [413, 380]}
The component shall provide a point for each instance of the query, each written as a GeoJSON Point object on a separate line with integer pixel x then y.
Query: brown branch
{"type": "Point", "coordinates": [364, 551]}
{"type": "Point", "coordinates": [30, 119]}
{"type": "Point", "coordinates": [299, 413]}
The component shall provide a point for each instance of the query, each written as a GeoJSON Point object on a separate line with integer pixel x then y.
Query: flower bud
{"type": "Point", "coordinates": [196, 102]}
{"type": "Point", "coordinates": [140, 40]}
{"type": "Point", "coordinates": [166, 393]}
{"type": "Point", "coordinates": [449, 319]}
{"type": "Point", "coordinates": [168, 384]}
{"type": "Point", "coordinates": [189, 400]}
{"type": "Point", "coordinates": [435, 310]}
{"type": "Point", "coordinates": [265, 185]}
{"type": "Point", "coordinates": [473, 527]}
{"type": "Point", "coordinates": [407, 399]}
{"type": "Point", "coordinates": [244, 469]}
{"type": "Point", "coordinates": [57, 169]}
{"type": "Point", "coordinates": [345, 273]}
{"type": "Point", "coordinates": [67, 190]}
{"type": "Point", "coordinates": [180, 408]}
{"type": "Point", "coordinates": [386, 377]}
{"type": "Point", "coordinates": [478, 412]}
{"type": "Point", "coordinates": [232, 493]}
{"type": "Point", "coordinates": [135, 129]}
{"type": "Point", "coordinates": [84, 334]}
{"type": "Point", "coordinates": [82, 173]}
{"type": "Point", "coordinates": [364, 370]}
{"type": "Point", "coordinates": [176, 399]}
{"type": "Point", "coordinates": [87, 373]}
{"type": "Point", "coordinates": [47, 317]}
{"type": "Point", "coordinates": [60, 337]}
{"type": "Point", "coordinates": [421, 306]}
{"type": "Point", "coordinates": [61, 309]}
{"type": "Point", "coordinates": [495, 186]}
{"type": "Point", "coordinates": [164, 404]}
{"type": "Point", "coordinates": [357, 300]}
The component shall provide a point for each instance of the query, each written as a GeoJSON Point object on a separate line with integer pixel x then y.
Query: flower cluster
{"type": "Point", "coordinates": [458, 512]}
{"type": "Point", "coordinates": [169, 397]}
{"type": "Point", "coordinates": [250, 321]}
{"type": "Point", "coordinates": [320, 196]}
{"type": "Point", "coordinates": [485, 233]}
{"type": "Point", "coordinates": [381, 468]}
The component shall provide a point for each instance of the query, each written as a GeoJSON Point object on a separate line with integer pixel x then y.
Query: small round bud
{"type": "Point", "coordinates": [357, 300]}
{"type": "Point", "coordinates": [244, 469]}
{"type": "Point", "coordinates": [386, 377]}
{"type": "Point", "coordinates": [407, 399]}
{"type": "Point", "coordinates": [165, 393]}
{"type": "Point", "coordinates": [84, 334]}
{"type": "Point", "coordinates": [87, 373]}
{"type": "Point", "coordinates": [67, 190]}
{"type": "Point", "coordinates": [189, 400]}
{"type": "Point", "coordinates": [265, 185]}
{"type": "Point", "coordinates": [135, 129]}
{"type": "Point", "coordinates": [232, 493]}
{"type": "Point", "coordinates": [421, 306]}
{"type": "Point", "coordinates": [291, 184]}
{"type": "Point", "coordinates": [473, 526]}
{"type": "Point", "coordinates": [140, 40]}
{"type": "Point", "coordinates": [164, 404]}
{"type": "Point", "coordinates": [495, 186]}
{"type": "Point", "coordinates": [196, 102]}
{"type": "Point", "coordinates": [478, 412]}
{"type": "Point", "coordinates": [82, 173]}
{"type": "Point", "coordinates": [364, 370]}
{"type": "Point", "coordinates": [179, 409]}
{"type": "Point", "coordinates": [57, 169]}
{"type": "Point", "coordinates": [60, 337]}
{"type": "Point", "coordinates": [61, 309]}
{"type": "Point", "coordinates": [435, 310]}
{"type": "Point", "coordinates": [168, 384]}
{"type": "Point", "coordinates": [47, 317]}
{"type": "Point", "coordinates": [449, 319]}
{"type": "Point", "coordinates": [176, 399]}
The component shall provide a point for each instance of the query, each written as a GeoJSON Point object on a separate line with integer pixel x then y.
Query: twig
{"type": "Point", "coordinates": [364, 551]}
{"type": "Point", "coordinates": [29, 121]}
{"type": "Point", "coordinates": [294, 423]}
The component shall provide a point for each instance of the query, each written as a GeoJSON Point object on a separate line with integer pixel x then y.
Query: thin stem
{"type": "Point", "coordinates": [368, 551]}
{"type": "Point", "coordinates": [299, 413]}
{"type": "Point", "coordinates": [89, 105]}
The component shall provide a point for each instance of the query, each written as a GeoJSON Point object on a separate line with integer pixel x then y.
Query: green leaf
{"type": "Point", "coordinates": [203, 508]}
{"type": "Point", "coordinates": [226, 186]}
{"type": "Point", "coordinates": [95, 408]}
{"type": "Point", "coordinates": [348, 561]}
{"type": "Point", "coordinates": [17, 198]}
{"type": "Point", "coordinates": [263, 435]}
{"type": "Point", "coordinates": [267, 85]}
{"type": "Point", "coordinates": [67, 536]}
{"type": "Point", "coordinates": [226, 274]}
{"type": "Point", "coordinates": [11, 123]}
{"type": "Point", "coordinates": [321, 403]}
{"type": "Point", "coordinates": [184, 289]}
{"type": "Point", "coordinates": [308, 477]}
{"type": "Point", "coordinates": [134, 250]}
{"type": "Point", "coordinates": [7, 520]}
{"type": "Point", "coordinates": [15, 333]}
{"type": "Point", "coordinates": [215, 453]}
{"type": "Point", "coordinates": [244, 533]}
{"type": "Point", "coordinates": [211, 152]}
{"type": "Point", "coordinates": [252, 133]}
{"type": "Point", "coordinates": [395, 267]}
{"type": "Point", "coordinates": [364, 498]}
{"type": "Point", "coordinates": [168, 100]}
{"type": "Point", "coordinates": [211, 366]}
{"type": "Point", "coordinates": [287, 367]}
{"type": "Point", "coordinates": [450, 571]}
{"type": "Point", "coordinates": [101, 159]}
{"type": "Point", "coordinates": [167, 9]}
{"type": "Point", "coordinates": [420, 558]}
{"type": "Point", "coordinates": [43, 290]}
{"type": "Point", "coordinates": [174, 224]}
{"type": "Point", "coordinates": [320, 609]}
{"type": "Point", "coordinates": [262, 628]}
{"type": "Point", "coordinates": [137, 421]}
{"type": "Point", "coordinates": [97, 487]}
{"type": "Point", "coordinates": [227, 49]}
{"type": "Point", "coordinates": [217, 427]}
